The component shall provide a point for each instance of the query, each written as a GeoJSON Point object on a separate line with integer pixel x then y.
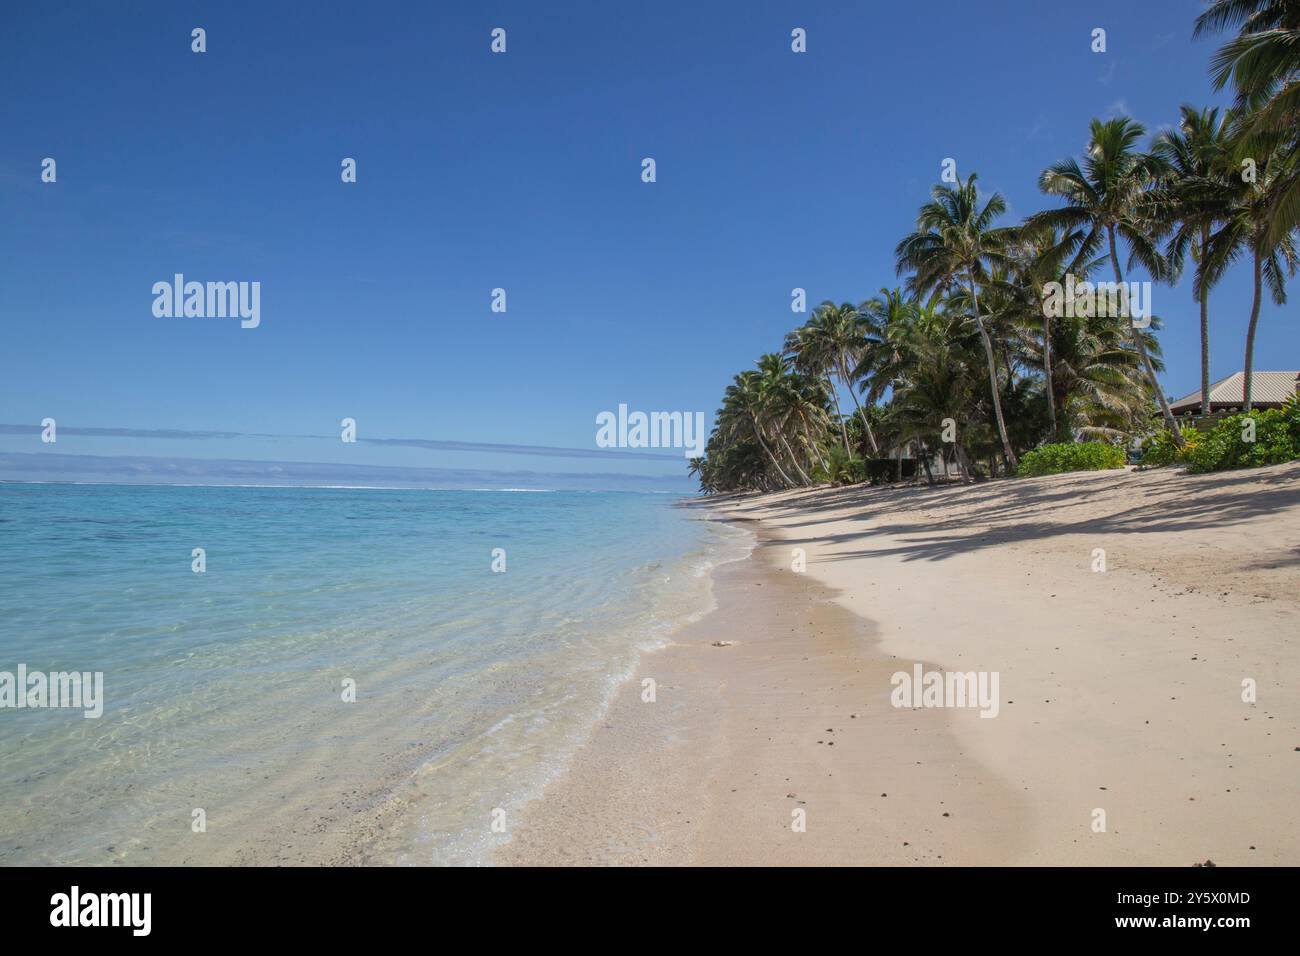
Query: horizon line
{"type": "Point", "coordinates": [431, 444]}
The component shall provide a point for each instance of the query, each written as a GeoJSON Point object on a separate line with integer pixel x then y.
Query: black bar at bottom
{"type": "Point", "coordinates": [336, 905]}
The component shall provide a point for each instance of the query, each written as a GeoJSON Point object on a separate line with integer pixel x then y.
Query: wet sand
{"type": "Point", "coordinates": [791, 714]}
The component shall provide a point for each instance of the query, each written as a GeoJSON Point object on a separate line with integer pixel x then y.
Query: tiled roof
{"type": "Point", "coordinates": [1270, 387]}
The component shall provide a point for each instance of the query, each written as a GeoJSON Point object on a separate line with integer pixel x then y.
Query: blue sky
{"type": "Point", "coordinates": [520, 171]}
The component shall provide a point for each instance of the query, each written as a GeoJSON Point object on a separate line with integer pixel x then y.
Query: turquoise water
{"type": "Point", "coordinates": [224, 690]}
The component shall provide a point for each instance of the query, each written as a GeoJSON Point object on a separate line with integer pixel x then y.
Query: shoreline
{"type": "Point", "coordinates": [1121, 692]}
{"type": "Point", "coordinates": [742, 735]}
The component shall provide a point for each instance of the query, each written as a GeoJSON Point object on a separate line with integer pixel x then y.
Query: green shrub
{"type": "Point", "coordinates": [1161, 450]}
{"type": "Point", "coordinates": [1276, 440]}
{"type": "Point", "coordinates": [841, 468]}
{"type": "Point", "coordinates": [1070, 456]}
{"type": "Point", "coordinates": [1291, 412]}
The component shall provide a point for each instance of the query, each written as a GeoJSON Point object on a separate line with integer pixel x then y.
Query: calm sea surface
{"type": "Point", "coordinates": [225, 735]}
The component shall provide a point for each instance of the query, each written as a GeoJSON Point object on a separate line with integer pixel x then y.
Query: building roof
{"type": "Point", "coordinates": [1266, 388]}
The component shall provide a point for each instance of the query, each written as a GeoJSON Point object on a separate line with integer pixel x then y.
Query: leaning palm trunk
{"type": "Point", "coordinates": [963, 461]}
{"type": "Point", "coordinates": [815, 453]}
{"type": "Point", "coordinates": [1249, 376]}
{"type": "Point", "coordinates": [844, 428]}
{"type": "Point", "coordinates": [758, 433]}
{"type": "Point", "coordinates": [794, 459]}
{"type": "Point", "coordinates": [993, 376]}
{"type": "Point", "coordinates": [1205, 330]}
{"type": "Point", "coordinates": [1141, 347]}
{"type": "Point", "coordinates": [866, 425]}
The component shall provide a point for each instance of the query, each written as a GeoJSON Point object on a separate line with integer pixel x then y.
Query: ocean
{"type": "Point", "coordinates": [346, 680]}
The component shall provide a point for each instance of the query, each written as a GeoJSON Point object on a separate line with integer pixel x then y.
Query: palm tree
{"type": "Point", "coordinates": [1195, 157]}
{"type": "Point", "coordinates": [955, 240]}
{"type": "Point", "coordinates": [780, 399]}
{"type": "Point", "coordinates": [1097, 377]}
{"type": "Point", "coordinates": [742, 416]}
{"type": "Point", "coordinates": [807, 404]}
{"type": "Point", "coordinates": [1108, 197]}
{"type": "Point", "coordinates": [1038, 256]}
{"type": "Point", "coordinates": [1247, 216]}
{"type": "Point", "coordinates": [936, 361]}
{"type": "Point", "coordinates": [886, 316]}
{"type": "Point", "coordinates": [830, 344]}
{"type": "Point", "coordinates": [734, 465]}
{"type": "Point", "coordinates": [1263, 64]}
{"type": "Point", "coordinates": [810, 353]}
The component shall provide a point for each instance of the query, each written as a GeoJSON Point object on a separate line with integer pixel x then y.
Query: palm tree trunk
{"type": "Point", "coordinates": [844, 428]}
{"type": "Point", "coordinates": [758, 433]}
{"type": "Point", "coordinates": [963, 462]}
{"type": "Point", "coordinates": [1249, 375]}
{"type": "Point", "coordinates": [1141, 347]}
{"type": "Point", "coordinates": [993, 376]}
{"type": "Point", "coordinates": [925, 463]}
{"type": "Point", "coordinates": [871, 437]}
{"type": "Point", "coordinates": [1047, 370]}
{"type": "Point", "coordinates": [816, 455]}
{"type": "Point", "coordinates": [793, 458]}
{"type": "Point", "coordinates": [1205, 332]}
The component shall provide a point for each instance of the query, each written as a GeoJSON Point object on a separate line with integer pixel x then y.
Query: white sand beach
{"type": "Point", "coordinates": [1120, 691]}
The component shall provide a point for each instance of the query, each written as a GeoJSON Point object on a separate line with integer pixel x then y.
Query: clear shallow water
{"type": "Point", "coordinates": [223, 690]}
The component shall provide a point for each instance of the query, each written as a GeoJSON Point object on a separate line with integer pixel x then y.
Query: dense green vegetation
{"type": "Point", "coordinates": [1070, 456]}
{"type": "Point", "coordinates": [966, 359]}
{"type": "Point", "coordinates": [1248, 440]}
{"type": "Point", "coordinates": [1163, 450]}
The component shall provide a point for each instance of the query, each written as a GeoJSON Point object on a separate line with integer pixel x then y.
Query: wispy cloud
{"type": "Point", "coordinates": [1118, 108]}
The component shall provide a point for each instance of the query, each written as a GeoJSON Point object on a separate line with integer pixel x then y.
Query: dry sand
{"type": "Point", "coordinates": [1120, 691]}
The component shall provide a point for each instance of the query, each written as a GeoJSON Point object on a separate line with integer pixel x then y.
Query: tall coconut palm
{"type": "Point", "coordinates": [810, 352]}
{"type": "Point", "coordinates": [1263, 64]}
{"type": "Point", "coordinates": [888, 316]}
{"type": "Point", "coordinates": [1018, 302]}
{"type": "Point", "coordinates": [1196, 158]}
{"type": "Point", "coordinates": [1247, 216]}
{"type": "Point", "coordinates": [779, 398]}
{"type": "Point", "coordinates": [1108, 196]}
{"type": "Point", "coordinates": [1097, 379]}
{"type": "Point", "coordinates": [807, 406]}
{"type": "Point", "coordinates": [831, 344]}
{"type": "Point", "coordinates": [955, 240]}
{"type": "Point", "coordinates": [743, 415]}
